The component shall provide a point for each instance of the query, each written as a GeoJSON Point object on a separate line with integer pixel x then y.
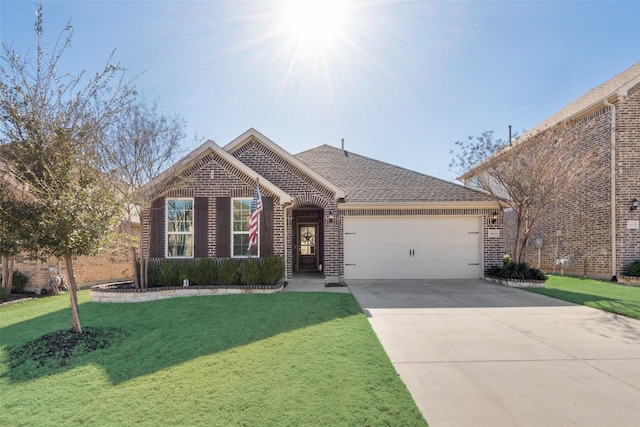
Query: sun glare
{"type": "Point", "coordinates": [314, 23]}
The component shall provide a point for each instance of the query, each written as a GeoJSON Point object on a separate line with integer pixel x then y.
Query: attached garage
{"type": "Point", "coordinates": [396, 247]}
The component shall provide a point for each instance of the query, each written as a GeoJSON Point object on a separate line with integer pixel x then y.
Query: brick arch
{"type": "Point", "coordinates": [310, 200]}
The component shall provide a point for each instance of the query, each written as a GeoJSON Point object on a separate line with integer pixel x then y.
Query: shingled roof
{"type": "Point", "coordinates": [366, 180]}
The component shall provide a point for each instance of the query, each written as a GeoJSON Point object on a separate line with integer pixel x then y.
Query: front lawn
{"type": "Point", "coordinates": [286, 359]}
{"type": "Point", "coordinates": [606, 296]}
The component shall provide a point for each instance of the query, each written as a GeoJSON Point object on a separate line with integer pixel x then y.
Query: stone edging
{"type": "Point", "coordinates": [629, 280]}
{"type": "Point", "coordinates": [102, 293]}
{"type": "Point", "coordinates": [516, 283]}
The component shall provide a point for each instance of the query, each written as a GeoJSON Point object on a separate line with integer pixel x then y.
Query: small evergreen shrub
{"type": "Point", "coordinates": [169, 274]}
{"type": "Point", "coordinates": [516, 271]}
{"type": "Point", "coordinates": [249, 271]}
{"type": "Point", "coordinates": [632, 269]}
{"type": "Point", "coordinates": [205, 272]}
{"type": "Point", "coordinates": [20, 280]}
{"type": "Point", "coordinates": [228, 272]}
{"type": "Point", "coordinates": [186, 269]}
{"type": "Point", "coordinates": [153, 275]}
{"type": "Point", "coordinates": [272, 269]}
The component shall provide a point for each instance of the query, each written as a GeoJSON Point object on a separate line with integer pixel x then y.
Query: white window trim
{"type": "Point", "coordinates": [233, 233]}
{"type": "Point", "coordinates": [166, 228]}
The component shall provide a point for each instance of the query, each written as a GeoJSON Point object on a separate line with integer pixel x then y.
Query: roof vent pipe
{"type": "Point", "coordinates": [509, 135]}
{"type": "Point", "coordinates": [342, 144]}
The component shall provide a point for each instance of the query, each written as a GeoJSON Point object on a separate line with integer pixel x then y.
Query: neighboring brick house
{"type": "Point", "coordinates": [594, 228]}
{"type": "Point", "coordinates": [325, 210]}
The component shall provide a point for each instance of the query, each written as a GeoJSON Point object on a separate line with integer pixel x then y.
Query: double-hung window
{"type": "Point", "coordinates": [180, 228]}
{"type": "Point", "coordinates": [241, 210]}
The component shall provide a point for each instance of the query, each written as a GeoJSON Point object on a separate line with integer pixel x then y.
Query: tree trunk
{"type": "Point", "coordinates": [134, 265]}
{"type": "Point", "coordinates": [73, 295]}
{"type": "Point", "coordinates": [7, 273]}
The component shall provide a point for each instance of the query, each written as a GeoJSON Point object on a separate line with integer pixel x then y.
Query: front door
{"type": "Point", "coordinates": [307, 247]}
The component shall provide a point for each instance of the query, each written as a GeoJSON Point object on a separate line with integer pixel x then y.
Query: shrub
{"type": "Point", "coordinates": [632, 269]}
{"type": "Point", "coordinates": [249, 271]}
{"type": "Point", "coordinates": [153, 275]}
{"type": "Point", "coordinates": [205, 272]}
{"type": "Point", "coordinates": [272, 269]}
{"type": "Point", "coordinates": [19, 282]}
{"type": "Point", "coordinates": [517, 271]}
{"type": "Point", "coordinates": [186, 269]}
{"type": "Point", "coordinates": [169, 274]}
{"type": "Point", "coordinates": [3, 294]}
{"type": "Point", "coordinates": [228, 272]}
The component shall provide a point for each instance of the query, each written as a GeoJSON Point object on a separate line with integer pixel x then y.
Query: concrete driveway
{"type": "Point", "coordinates": [474, 353]}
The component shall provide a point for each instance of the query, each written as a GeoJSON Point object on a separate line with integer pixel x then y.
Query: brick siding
{"type": "Point", "coordinates": [579, 225]}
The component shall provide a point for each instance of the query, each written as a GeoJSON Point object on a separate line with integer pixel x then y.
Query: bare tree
{"type": "Point", "coordinates": [141, 144]}
{"type": "Point", "coordinates": [529, 175]}
{"type": "Point", "coordinates": [49, 134]}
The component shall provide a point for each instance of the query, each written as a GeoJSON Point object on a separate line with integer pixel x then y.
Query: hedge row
{"type": "Point", "coordinates": [206, 271]}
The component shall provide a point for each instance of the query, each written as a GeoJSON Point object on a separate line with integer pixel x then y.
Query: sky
{"type": "Point", "coordinates": [400, 81]}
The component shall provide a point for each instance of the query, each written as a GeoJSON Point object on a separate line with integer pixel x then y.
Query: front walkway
{"type": "Point", "coordinates": [311, 282]}
{"type": "Point", "coordinates": [479, 354]}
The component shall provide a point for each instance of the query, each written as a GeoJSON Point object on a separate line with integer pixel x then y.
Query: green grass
{"type": "Point", "coordinates": [290, 359]}
{"type": "Point", "coordinates": [606, 296]}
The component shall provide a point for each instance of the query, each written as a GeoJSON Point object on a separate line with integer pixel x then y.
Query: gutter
{"type": "Point", "coordinates": [614, 243]}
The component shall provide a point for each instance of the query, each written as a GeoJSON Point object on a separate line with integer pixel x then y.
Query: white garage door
{"type": "Point", "coordinates": [446, 247]}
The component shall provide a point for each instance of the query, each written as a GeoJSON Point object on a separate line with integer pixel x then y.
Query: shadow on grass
{"type": "Point", "coordinates": [169, 332]}
{"type": "Point", "coordinates": [613, 305]}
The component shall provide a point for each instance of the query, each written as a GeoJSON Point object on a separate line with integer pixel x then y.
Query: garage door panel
{"type": "Point", "coordinates": [413, 248]}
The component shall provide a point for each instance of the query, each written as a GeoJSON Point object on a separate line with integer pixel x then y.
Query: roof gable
{"type": "Point", "coordinates": [254, 135]}
{"type": "Point", "coordinates": [369, 181]}
{"type": "Point", "coordinates": [206, 148]}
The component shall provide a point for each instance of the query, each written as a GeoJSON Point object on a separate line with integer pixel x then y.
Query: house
{"type": "Point", "coordinates": [325, 210]}
{"type": "Point", "coordinates": [594, 229]}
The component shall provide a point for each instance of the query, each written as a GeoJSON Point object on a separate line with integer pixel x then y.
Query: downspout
{"type": "Point", "coordinates": [614, 244]}
{"type": "Point", "coordinates": [286, 239]}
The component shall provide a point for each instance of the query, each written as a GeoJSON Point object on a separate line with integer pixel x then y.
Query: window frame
{"type": "Point", "coordinates": [187, 233]}
{"type": "Point", "coordinates": [240, 233]}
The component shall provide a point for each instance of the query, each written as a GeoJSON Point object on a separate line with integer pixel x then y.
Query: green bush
{"type": "Point", "coordinates": [3, 294]}
{"type": "Point", "coordinates": [169, 274]}
{"type": "Point", "coordinates": [205, 272]}
{"type": "Point", "coordinates": [632, 269]}
{"type": "Point", "coordinates": [186, 269]}
{"type": "Point", "coordinates": [249, 271]}
{"type": "Point", "coordinates": [153, 275]}
{"type": "Point", "coordinates": [272, 269]}
{"type": "Point", "coordinates": [228, 272]}
{"type": "Point", "coordinates": [20, 280]}
{"type": "Point", "coordinates": [516, 271]}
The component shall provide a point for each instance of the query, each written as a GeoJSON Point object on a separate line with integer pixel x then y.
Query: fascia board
{"type": "Point", "coordinates": [252, 133]}
{"type": "Point", "coordinates": [420, 205]}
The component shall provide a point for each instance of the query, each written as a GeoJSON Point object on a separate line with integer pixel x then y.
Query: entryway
{"type": "Point", "coordinates": [308, 229]}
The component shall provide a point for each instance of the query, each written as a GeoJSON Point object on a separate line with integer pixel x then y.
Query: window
{"type": "Point", "coordinates": [179, 228]}
{"type": "Point", "coordinates": [240, 212]}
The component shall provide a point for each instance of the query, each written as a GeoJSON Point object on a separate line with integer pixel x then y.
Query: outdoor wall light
{"type": "Point", "coordinates": [331, 216]}
{"type": "Point", "coordinates": [634, 204]}
{"type": "Point", "coordinates": [494, 218]}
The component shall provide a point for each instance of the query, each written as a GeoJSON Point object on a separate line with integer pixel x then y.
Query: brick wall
{"type": "Point", "coordinates": [578, 226]}
{"type": "Point", "coordinates": [111, 265]}
{"type": "Point", "coordinates": [628, 176]}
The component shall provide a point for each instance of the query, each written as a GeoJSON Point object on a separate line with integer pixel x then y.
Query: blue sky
{"type": "Point", "coordinates": [401, 81]}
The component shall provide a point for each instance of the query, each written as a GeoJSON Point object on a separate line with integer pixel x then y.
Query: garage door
{"type": "Point", "coordinates": [446, 247]}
